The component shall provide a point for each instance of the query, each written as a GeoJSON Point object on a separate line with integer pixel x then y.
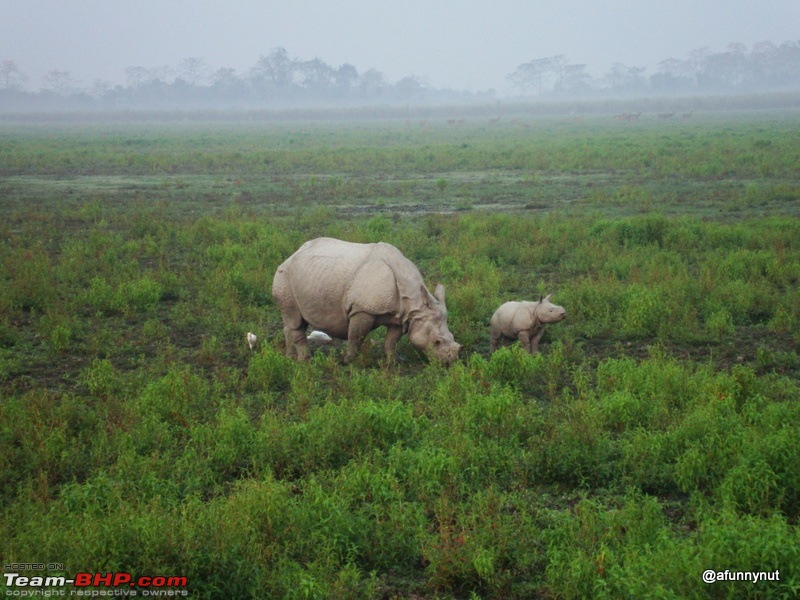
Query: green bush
{"type": "Point", "coordinates": [139, 296]}
{"type": "Point", "coordinates": [101, 378]}
{"type": "Point", "coordinates": [514, 366]}
{"type": "Point", "coordinates": [646, 312]}
{"type": "Point", "coordinates": [270, 370]}
{"type": "Point", "coordinates": [29, 279]}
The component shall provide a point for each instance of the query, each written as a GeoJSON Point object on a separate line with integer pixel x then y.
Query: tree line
{"type": "Point", "coordinates": [765, 67]}
{"type": "Point", "coordinates": [278, 80]}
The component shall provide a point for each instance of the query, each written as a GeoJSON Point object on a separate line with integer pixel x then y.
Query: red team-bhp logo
{"type": "Point", "coordinates": [117, 584]}
{"type": "Point", "coordinates": [119, 579]}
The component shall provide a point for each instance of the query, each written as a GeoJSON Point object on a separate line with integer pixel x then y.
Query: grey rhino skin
{"type": "Point", "coordinates": [523, 321]}
{"type": "Point", "coordinates": [347, 290]}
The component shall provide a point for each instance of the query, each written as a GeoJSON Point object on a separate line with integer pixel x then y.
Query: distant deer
{"type": "Point", "coordinates": [632, 116]}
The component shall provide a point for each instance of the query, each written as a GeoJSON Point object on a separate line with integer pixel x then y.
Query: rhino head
{"type": "Point", "coordinates": [547, 312]}
{"type": "Point", "coordinates": [428, 330]}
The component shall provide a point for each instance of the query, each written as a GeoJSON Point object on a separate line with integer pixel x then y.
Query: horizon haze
{"type": "Point", "coordinates": [472, 46]}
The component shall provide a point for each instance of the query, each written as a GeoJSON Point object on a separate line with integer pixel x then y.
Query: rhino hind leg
{"type": "Point", "coordinates": [496, 339]}
{"type": "Point", "coordinates": [294, 326]}
{"type": "Point", "coordinates": [294, 333]}
{"type": "Point", "coordinates": [296, 342]}
{"type": "Point", "coordinates": [287, 336]}
{"type": "Point", "coordinates": [360, 324]}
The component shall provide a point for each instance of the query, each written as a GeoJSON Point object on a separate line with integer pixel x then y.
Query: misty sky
{"type": "Point", "coordinates": [460, 44]}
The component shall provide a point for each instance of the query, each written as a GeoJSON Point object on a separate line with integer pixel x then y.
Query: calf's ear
{"type": "Point", "coordinates": [547, 298]}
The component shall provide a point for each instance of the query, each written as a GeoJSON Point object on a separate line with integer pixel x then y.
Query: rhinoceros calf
{"type": "Point", "coordinates": [347, 290]}
{"type": "Point", "coordinates": [523, 321]}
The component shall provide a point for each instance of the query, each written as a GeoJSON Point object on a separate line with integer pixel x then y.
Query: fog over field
{"type": "Point", "coordinates": [92, 46]}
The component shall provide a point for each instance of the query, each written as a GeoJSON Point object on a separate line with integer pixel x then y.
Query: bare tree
{"type": "Point", "coordinates": [277, 68]}
{"type": "Point", "coordinates": [531, 74]}
{"type": "Point", "coordinates": [557, 66]}
{"type": "Point", "coordinates": [194, 71]}
{"type": "Point", "coordinates": [11, 76]}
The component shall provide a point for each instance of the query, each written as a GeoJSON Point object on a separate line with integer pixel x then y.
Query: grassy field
{"type": "Point", "coordinates": [656, 435]}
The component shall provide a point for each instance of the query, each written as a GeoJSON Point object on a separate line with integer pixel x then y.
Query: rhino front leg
{"type": "Point", "coordinates": [533, 346]}
{"type": "Point", "coordinates": [393, 333]}
{"type": "Point", "coordinates": [359, 326]}
{"type": "Point", "coordinates": [525, 340]}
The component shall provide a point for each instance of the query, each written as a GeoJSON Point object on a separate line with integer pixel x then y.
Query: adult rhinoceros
{"type": "Point", "coordinates": [347, 290]}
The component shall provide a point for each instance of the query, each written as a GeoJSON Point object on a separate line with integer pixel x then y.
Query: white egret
{"type": "Point", "coordinates": [319, 337]}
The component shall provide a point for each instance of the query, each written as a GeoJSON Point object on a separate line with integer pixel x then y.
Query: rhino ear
{"type": "Point", "coordinates": [541, 298]}
{"type": "Point", "coordinates": [426, 295]}
{"type": "Point", "coordinates": [547, 298]}
{"type": "Point", "coordinates": [439, 293]}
